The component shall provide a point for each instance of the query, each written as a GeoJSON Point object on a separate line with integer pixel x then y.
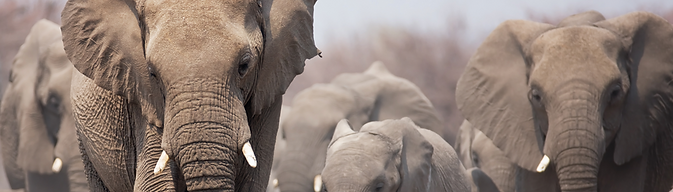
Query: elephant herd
{"type": "Point", "coordinates": [165, 96]}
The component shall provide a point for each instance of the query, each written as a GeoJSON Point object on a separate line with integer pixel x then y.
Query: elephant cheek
{"type": "Point", "coordinates": [203, 134]}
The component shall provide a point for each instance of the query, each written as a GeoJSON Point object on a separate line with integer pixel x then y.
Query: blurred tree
{"type": "Point", "coordinates": [16, 19]}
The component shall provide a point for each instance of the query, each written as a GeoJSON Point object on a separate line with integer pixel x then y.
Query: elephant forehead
{"type": "Point", "coordinates": [575, 52]}
{"type": "Point", "coordinates": [359, 156]}
{"type": "Point", "coordinates": [202, 31]}
{"type": "Point", "coordinates": [362, 145]}
{"type": "Point", "coordinates": [56, 59]}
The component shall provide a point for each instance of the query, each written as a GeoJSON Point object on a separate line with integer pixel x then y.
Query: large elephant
{"type": "Point", "coordinates": [373, 95]}
{"type": "Point", "coordinates": [475, 150]}
{"type": "Point", "coordinates": [39, 144]}
{"type": "Point", "coordinates": [587, 103]}
{"type": "Point", "coordinates": [182, 95]}
{"type": "Point", "coordinates": [391, 155]}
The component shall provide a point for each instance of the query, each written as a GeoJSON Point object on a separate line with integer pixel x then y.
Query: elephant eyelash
{"type": "Point", "coordinates": [244, 64]}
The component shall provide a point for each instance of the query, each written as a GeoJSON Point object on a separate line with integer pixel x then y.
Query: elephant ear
{"type": "Point", "coordinates": [288, 43]}
{"type": "Point", "coordinates": [36, 143]}
{"type": "Point", "coordinates": [648, 39]}
{"type": "Point", "coordinates": [492, 91]}
{"type": "Point", "coordinates": [9, 139]}
{"type": "Point", "coordinates": [415, 152]}
{"type": "Point", "coordinates": [103, 40]}
{"type": "Point", "coordinates": [342, 129]}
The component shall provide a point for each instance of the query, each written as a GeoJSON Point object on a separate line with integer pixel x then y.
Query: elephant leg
{"type": "Point", "coordinates": [627, 177]}
{"type": "Point", "coordinates": [660, 163]}
{"type": "Point", "coordinates": [263, 128]}
{"type": "Point", "coordinates": [52, 182]}
{"type": "Point", "coordinates": [104, 132]}
{"type": "Point", "coordinates": [76, 174]}
{"type": "Point", "coordinates": [95, 183]}
{"type": "Point", "coordinates": [148, 157]}
{"type": "Point", "coordinates": [528, 181]}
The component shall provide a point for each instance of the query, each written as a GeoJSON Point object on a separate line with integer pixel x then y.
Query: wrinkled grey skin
{"type": "Point", "coordinates": [475, 150]}
{"type": "Point", "coordinates": [36, 122]}
{"type": "Point", "coordinates": [279, 151]}
{"type": "Point", "coordinates": [594, 96]}
{"type": "Point", "coordinates": [373, 95]}
{"type": "Point", "coordinates": [194, 79]}
{"type": "Point", "coordinates": [391, 155]}
{"type": "Point", "coordinates": [479, 181]}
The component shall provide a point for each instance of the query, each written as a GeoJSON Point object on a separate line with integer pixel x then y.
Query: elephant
{"type": "Point", "coordinates": [582, 106]}
{"type": "Point", "coordinates": [182, 95]}
{"type": "Point", "coordinates": [278, 151]}
{"type": "Point", "coordinates": [39, 145]}
{"type": "Point", "coordinates": [373, 95]}
{"type": "Point", "coordinates": [480, 182]}
{"type": "Point", "coordinates": [475, 150]}
{"type": "Point", "coordinates": [391, 155]}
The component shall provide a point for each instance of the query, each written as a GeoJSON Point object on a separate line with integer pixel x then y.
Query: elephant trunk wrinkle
{"type": "Point", "coordinates": [202, 134]}
{"type": "Point", "coordinates": [577, 150]}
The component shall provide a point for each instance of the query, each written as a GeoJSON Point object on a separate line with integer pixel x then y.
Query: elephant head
{"type": "Point", "coordinates": [373, 95]}
{"type": "Point", "coordinates": [208, 75]}
{"type": "Point", "coordinates": [476, 151]}
{"type": "Point", "coordinates": [388, 155]}
{"type": "Point", "coordinates": [37, 128]}
{"type": "Point", "coordinates": [308, 129]}
{"type": "Point", "coordinates": [567, 94]}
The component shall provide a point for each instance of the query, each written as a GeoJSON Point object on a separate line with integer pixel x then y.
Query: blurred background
{"type": "Point", "coordinates": [425, 41]}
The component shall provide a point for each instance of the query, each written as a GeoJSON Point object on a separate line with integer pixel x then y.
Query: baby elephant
{"type": "Point", "coordinates": [391, 155]}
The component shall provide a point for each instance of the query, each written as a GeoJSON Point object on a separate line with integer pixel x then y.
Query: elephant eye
{"type": "Point", "coordinates": [475, 159]}
{"type": "Point", "coordinates": [379, 186]}
{"type": "Point", "coordinates": [53, 103]}
{"type": "Point", "coordinates": [616, 92]}
{"type": "Point", "coordinates": [244, 64]}
{"type": "Point", "coordinates": [534, 96]}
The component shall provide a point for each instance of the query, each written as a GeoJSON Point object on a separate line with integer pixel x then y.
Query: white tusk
{"type": "Point", "coordinates": [56, 167]}
{"type": "Point", "coordinates": [317, 183]}
{"type": "Point", "coordinates": [543, 164]}
{"type": "Point", "coordinates": [161, 164]}
{"type": "Point", "coordinates": [249, 155]}
{"type": "Point", "coordinates": [275, 183]}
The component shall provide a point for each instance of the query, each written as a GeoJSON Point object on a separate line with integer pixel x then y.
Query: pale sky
{"type": "Point", "coordinates": [336, 19]}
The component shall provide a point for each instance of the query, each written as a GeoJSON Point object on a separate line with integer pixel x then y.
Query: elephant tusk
{"type": "Point", "coordinates": [56, 167]}
{"type": "Point", "coordinates": [161, 164]}
{"type": "Point", "coordinates": [317, 183]}
{"type": "Point", "coordinates": [543, 164]}
{"type": "Point", "coordinates": [275, 183]}
{"type": "Point", "coordinates": [249, 155]}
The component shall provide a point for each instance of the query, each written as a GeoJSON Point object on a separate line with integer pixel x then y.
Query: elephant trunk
{"type": "Point", "coordinates": [296, 171]}
{"type": "Point", "coordinates": [575, 144]}
{"type": "Point", "coordinates": [205, 130]}
{"type": "Point", "coordinates": [295, 182]}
